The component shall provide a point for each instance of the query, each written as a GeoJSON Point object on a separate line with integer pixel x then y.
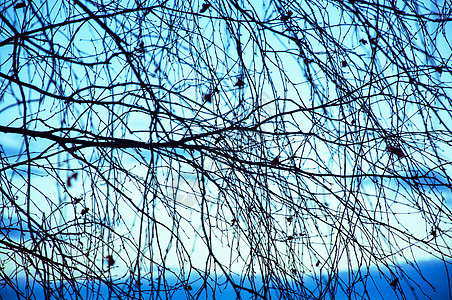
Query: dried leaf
{"type": "Point", "coordinates": [393, 283]}
{"type": "Point", "coordinates": [110, 260]}
{"type": "Point", "coordinates": [84, 211]}
{"type": "Point", "coordinates": [433, 232]}
{"type": "Point", "coordinates": [19, 5]}
{"type": "Point", "coordinates": [395, 150]}
{"type": "Point", "coordinates": [287, 16]}
{"type": "Point", "coordinates": [240, 83]}
{"type": "Point", "coordinates": [275, 161]}
{"type": "Point", "coordinates": [363, 41]}
{"type": "Point", "coordinates": [208, 97]}
{"type": "Point", "coordinates": [69, 179]}
{"type": "Point", "coordinates": [77, 200]}
{"type": "Point", "coordinates": [344, 64]}
{"type": "Point", "coordinates": [438, 69]}
{"type": "Point", "coordinates": [204, 8]}
{"type": "Point", "coordinates": [140, 48]}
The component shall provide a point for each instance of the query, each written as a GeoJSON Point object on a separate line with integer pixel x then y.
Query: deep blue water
{"type": "Point", "coordinates": [377, 287]}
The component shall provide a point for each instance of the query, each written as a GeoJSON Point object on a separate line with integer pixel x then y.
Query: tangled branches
{"type": "Point", "coordinates": [192, 149]}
